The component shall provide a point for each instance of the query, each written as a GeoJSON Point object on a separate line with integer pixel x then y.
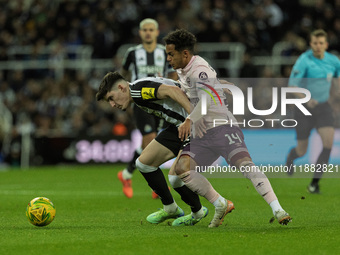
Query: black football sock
{"type": "Point", "coordinates": [190, 198]}
{"type": "Point", "coordinates": [322, 159]}
{"type": "Point", "coordinates": [292, 156]}
{"type": "Point", "coordinates": [159, 185]}
{"type": "Point", "coordinates": [132, 164]}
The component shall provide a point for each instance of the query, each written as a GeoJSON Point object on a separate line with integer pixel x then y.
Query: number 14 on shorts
{"type": "Point", "coordinates": [233, 138]}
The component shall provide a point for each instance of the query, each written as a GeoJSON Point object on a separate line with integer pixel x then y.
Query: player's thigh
{"type": "Point", "coordinates": [148, 138]}
{"type": "Point", "coordinates": [232, 145]}
{"type": "Point", "coordinates": [165, 146]}
{"type": "Point", "coordinates": [327, 136]}
{"type": "Point", "coordinates": [302, 146]}
{"type": "Point", "coordinates": [184, 164]}
{"type": "Point", "coordinates": [172, 168]}
{"type": "Point", "coordinates": [199, 151]}
{"type": "Point", "coordinates": [304, 126]}
{"type": "Point", "coordinates": [155, 154]}
{"type": "Point", "coordinates": [325, 124]}
{"type": "Point", "coordinates": [324, 115]}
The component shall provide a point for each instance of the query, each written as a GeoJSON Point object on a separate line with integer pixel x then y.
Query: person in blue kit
{"type": "Point", "coordinates": [315, 70]}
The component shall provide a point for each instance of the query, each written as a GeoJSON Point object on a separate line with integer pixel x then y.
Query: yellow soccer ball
{"type": "Point", "coordinates": [40, 211]}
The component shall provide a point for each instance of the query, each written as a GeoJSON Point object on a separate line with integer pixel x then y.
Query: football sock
{"type": "Point", "coordinates": [171, 208]}
{"type": "Point", "coordinates": [322, 159]}
{"type": "Point", "coordinates": [157, 183]}
{"type": "Point", "coordinates": [292, 155]}
{"type": "Point", "coordinates": [200, 185]}
{"type": "Point", "coordinates": [132, 164]}
{"type": "Point", "coordinates": [259, 181]}
{"type": "Point", "coordinates": [190, 198]}
{"type": "Point", "coordinates": [198, 214]}
{"type": "Point", "coordinates": [275, 205]}
{"type": "Point", "coordinates": [126, 174]}
{"type": "Point", "coordinates": [220, 201]}
{"type": "Point", "coordinates": [187, 195]}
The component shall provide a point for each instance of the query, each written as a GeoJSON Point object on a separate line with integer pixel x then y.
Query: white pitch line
{"type": "Point", "coordinates": [66, 193]}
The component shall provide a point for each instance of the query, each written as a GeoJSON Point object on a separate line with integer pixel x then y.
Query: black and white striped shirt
{"type": "Point", "coordinates": [144, 64]}
{"type": "Point", "coordinates": [144, 94]}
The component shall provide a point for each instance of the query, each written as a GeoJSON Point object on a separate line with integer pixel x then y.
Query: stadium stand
{"type": "Point", "coordinates": [54, 52]}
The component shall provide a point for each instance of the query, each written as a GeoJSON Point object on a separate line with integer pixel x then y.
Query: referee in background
{"type": "Point", "coordinates": [315, 70]}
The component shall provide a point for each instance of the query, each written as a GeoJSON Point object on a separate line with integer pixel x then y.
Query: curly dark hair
{"type": "Point", "coordinates": [182, 39]}
{"type": "Point", "coordinates": [106, 85]}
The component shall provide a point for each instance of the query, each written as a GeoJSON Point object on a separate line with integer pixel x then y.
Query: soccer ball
{"type": "Point", "coordinates": [40, 211]}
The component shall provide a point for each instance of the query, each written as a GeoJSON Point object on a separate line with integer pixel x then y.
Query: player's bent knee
{"type": "Point", "coordinates": [182, 165]}
{"type": "Point", "coordinates": [145, 168]}
{"type": "Point", "coordinates": [301, 151]}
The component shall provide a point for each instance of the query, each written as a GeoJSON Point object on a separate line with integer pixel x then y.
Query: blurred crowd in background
{"type": "Point", "coordinates": [67, 106]}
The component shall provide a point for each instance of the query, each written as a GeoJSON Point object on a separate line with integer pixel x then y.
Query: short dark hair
{"type": "Point", "coordinates": [319, 33]}
{"type": "Point", "coordinates": [107, 83]}
{"type": "Point", "coordinates": [182, 39]}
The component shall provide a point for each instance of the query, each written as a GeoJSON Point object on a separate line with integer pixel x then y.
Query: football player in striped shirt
{"type": "Point", "coordinates": [147, 59]}
{"type": "Point", "coordinates": [163, 98]}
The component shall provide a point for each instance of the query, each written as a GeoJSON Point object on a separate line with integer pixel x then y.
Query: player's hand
{"type": "Point", "coordinates": [184, 129]}
{"type": "Point", "coordinates": [200, 128]}
{"type": "Point", "coordinates": [227, 91]}
{"type": "Point", "coordinates": [312, 103]}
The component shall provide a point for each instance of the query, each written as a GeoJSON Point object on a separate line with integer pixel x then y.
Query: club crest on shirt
{"type": "Point", "coordinates": [147, 128]}
{"type": "Point", "coordinates": [148, 93]}
{"type": "Point", "coordinates": [203, 76]}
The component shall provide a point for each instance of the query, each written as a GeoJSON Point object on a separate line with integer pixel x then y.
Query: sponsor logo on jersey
{"type": "Point", "coordinates": [203, 76]}
{"type": "Point", "coordinates": [153, 70]}
{"type": "Point", "coordinates": [148, 93]}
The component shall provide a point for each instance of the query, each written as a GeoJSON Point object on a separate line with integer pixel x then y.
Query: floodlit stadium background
{"type": "Point", "coordinates": [53, 55]}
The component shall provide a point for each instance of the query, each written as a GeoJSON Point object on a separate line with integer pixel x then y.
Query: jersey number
{"type": "Point", "coordinates": [233, 137]}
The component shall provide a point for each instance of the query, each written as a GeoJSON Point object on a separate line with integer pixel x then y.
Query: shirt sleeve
{"type": "Point", "coordinates": [337, 68]}
{"type": "Point", "coordinates": [298, 72]}
{"type": "Point", "coordinates": [145, 91]}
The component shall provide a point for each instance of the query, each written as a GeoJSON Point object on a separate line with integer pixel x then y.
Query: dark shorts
{"type": "Point", "coordinates": [224, 141]}
{"type": "Point", "coordinates": [147, 123]}
{"type": "Point", "coordinates": [322, 116]}
{"type": "Point", "coordinates": [169, 138]}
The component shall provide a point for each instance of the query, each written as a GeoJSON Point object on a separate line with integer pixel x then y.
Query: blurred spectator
{"type": "Point", "coordinates": [248, 70]}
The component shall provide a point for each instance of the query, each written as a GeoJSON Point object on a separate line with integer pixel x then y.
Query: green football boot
{"type": "Point", "coordinates": [161, 215]}
{"type": "Point", "coordinates": [189, 220]}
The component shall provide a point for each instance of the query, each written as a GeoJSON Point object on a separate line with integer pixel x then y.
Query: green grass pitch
{"type": "Point", "coordinates": [94, 217]}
